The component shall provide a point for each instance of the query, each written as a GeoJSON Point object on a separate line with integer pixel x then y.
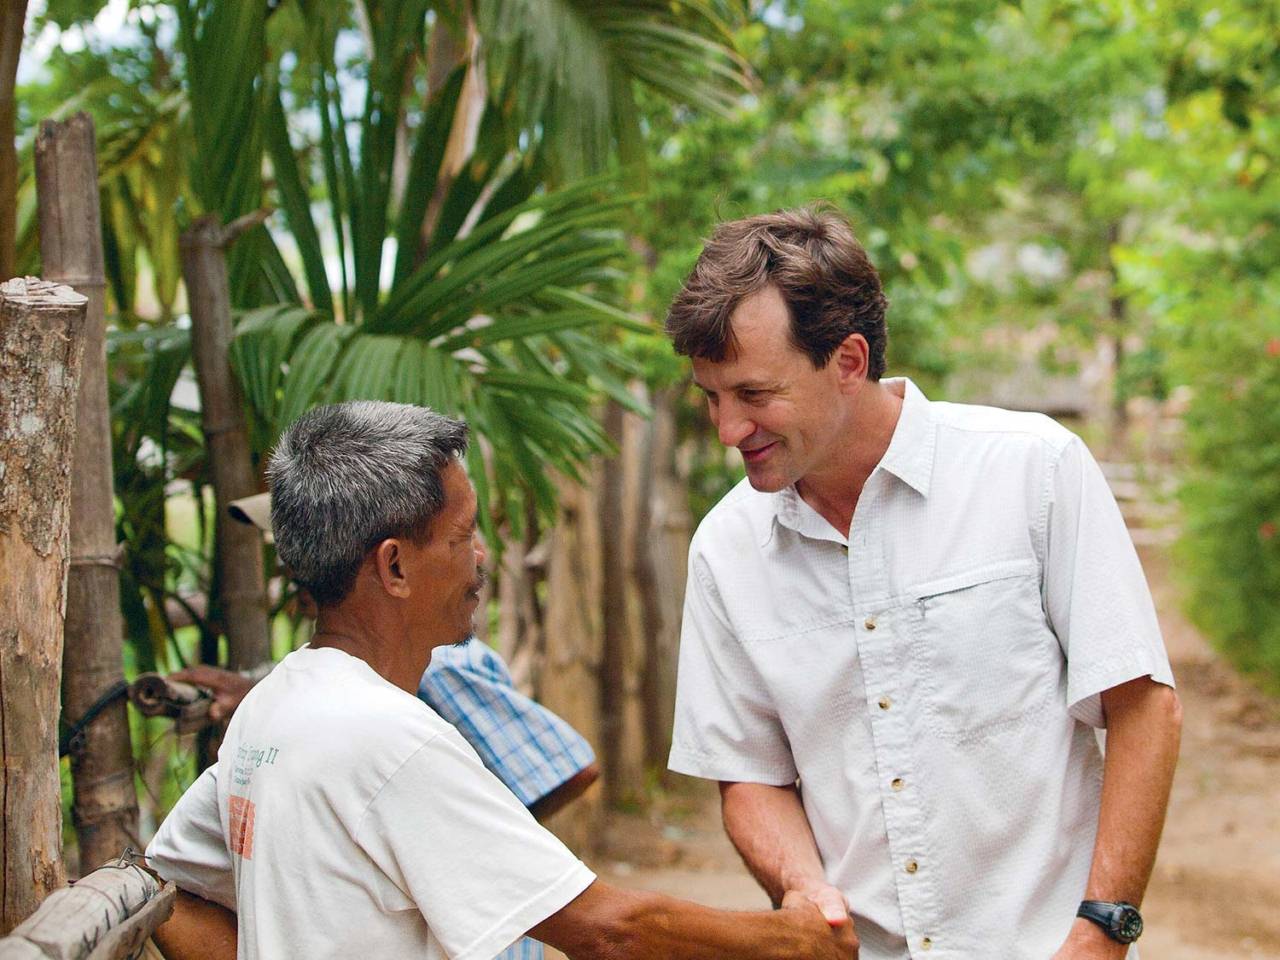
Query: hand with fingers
{"type": "Point", "coordinates": [841, 940]}
{"type": "Point", "coordinates": [227, 686]}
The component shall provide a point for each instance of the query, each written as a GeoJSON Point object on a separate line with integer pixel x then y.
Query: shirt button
{"type": "Point", "coordinates": [912, 866]}
{"type": "Point", "coordinates": [926, 944]}
{"type": "Point", "coordinates": [870, 623]}
{"type": "Point", "coordinates": [897, 783]}
{"type": "Point", "coordinates": [884, 703]}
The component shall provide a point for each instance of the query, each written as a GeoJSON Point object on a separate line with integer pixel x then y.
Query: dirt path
{"type": "Point", "coordinates": [1215, 894]}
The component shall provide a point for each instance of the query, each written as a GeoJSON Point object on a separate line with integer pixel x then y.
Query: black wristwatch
{"type": "Point", "coordinates": [1121, 921]}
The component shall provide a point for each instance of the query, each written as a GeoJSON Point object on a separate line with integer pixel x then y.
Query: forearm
{"type": "Point", "coordinates": [769, 828]}
{"type": "Point", "coordinates": [566, 793]}
{"type": "Point", "coordinates": [609, 923]}
{"type": "Point", "coordinates": [197, 930]}
{"type": "Point", "coordinates": [660, 927]}
{"type": "Point", "coordinates": [1144, 724]}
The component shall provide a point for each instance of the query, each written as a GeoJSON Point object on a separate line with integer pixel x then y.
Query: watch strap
{"type": "Point", "coordinates": [1109, 915]}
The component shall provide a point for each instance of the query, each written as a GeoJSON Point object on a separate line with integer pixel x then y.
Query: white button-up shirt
{"type": "Point", "coordinates": [932, 679]}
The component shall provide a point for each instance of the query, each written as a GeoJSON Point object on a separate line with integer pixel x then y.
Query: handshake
{"type": "Point", "coordinates": [822, 913]}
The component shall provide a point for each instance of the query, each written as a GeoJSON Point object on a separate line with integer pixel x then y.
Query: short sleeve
{"type": "Point", "coordinates": [1095, 593]}
{"type": "Point", "coordinates": [474, 861]}
{"type": "Point", "coordinates": [726, 727]}
{"type": "Point", "coordinates": [523, 744]}
{"type": "Point", "coordinates": [189, 848]}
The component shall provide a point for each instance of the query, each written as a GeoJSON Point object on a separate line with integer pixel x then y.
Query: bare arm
{"type": "Point", "coordinates": [768, 826]}
{"type": "Point", "coordinates": [1144, 727]}
{"type": "Point", "coordinates": [566, 793]}
{"type": "Point", "coordinates": [197, 930]}
{"type": "Point", "coordinates": [609, 923]}
{"type": "Point", "coordinates": [227, 686]}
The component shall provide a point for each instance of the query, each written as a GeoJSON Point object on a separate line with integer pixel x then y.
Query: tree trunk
{"type": "Point", "coordinates": [238, 545]}
{"type": "Point", "coordinates": [621, 712]}
{"type": "Point", "coordinates": [660, 556]}
{"type": "Point", "coordinates": [40, 350]}
{"type": "Point", "coordinates": [1118, 308]}
{"type": "Point", "coordinates": [568, 683]}
{"type": "Point", "coordinates": [13, 14]}
{"type": "Point", "coordinates": [106, 806]}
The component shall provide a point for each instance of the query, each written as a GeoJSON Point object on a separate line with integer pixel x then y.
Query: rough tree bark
{"type": "Point", "coordinates": [106, 807]}
{"type": "Point", "coordinates": [568, 684]}
{"type": "Point", "coordinates": [621, 712]}
{"type": "Point", "coordinates": [238, 546]}
{"type": "Point", "coordinates": [13, 15]}
{"type": "Point", "coordinates": [659, 560]}
{"type": "Point", "coordinates": [40, 350]}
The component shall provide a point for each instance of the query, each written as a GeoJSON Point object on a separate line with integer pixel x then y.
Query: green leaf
{"type": "Point", "coordinates": [310, 367]}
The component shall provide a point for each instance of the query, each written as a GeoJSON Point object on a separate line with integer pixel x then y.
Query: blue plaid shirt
{"type": "Point", "coordinates": [523, 744]}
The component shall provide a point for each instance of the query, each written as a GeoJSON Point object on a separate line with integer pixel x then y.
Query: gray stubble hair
{"type": "Point", "coordinates": [347, 476]}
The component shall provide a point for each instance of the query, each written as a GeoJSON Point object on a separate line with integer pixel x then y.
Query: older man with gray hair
{"type": "Point", "coordinates": [344, 815]}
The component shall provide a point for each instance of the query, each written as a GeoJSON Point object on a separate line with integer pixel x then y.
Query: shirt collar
{"type": "Point", "coordinates": [909, 458]}
{"type": "Point", "coordinates": [910, 453]}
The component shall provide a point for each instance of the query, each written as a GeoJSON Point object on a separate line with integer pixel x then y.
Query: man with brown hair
{"type": "Point", "coordinates": [903, 628]}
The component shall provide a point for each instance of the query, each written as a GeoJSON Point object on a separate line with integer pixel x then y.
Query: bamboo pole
{"type": "Point", "coordinates": [40, 350]}
{"type": "Point", "coordinates": [238, 546]}
{"type": "Point", "coordinates": [105, 811]}
{"type": "Point", "coordinates": [108, 915]}
{"type": "Point", "coordinates": [12, 17]}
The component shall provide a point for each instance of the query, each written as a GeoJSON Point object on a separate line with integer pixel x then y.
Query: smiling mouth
{"type": "Point", "coordinates": [758, 454]}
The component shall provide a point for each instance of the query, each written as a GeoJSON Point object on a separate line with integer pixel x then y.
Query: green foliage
{"type": "Point", "coordinates": [1209, 279]}
{"type": "Point", "coordinates": [566, 70]}
{"type": "Point", "coordinates": [1230, 550]}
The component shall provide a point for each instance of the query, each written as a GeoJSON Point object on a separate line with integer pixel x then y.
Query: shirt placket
{"type": "Point", "coordinates": [881, 631]}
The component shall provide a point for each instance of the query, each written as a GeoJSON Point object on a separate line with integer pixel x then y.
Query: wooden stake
{"type": "Point", "coordinates": [106, 804]}
{"type": "Point", "coordinates": [106, 916]}
{"type": "Point", "coordinates": [40, 350]}
{"type": "Point", "coordinates": [239, 547]}
{"type": "Point", "coordinates": [12, 16]}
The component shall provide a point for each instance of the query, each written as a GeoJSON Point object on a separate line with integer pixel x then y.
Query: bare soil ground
{"type": "Point", "coordinates": [1215, 893]}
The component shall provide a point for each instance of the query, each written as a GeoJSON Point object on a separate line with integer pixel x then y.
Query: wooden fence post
{"type": "Point", "coordinates": [40, 350]}
{"type": "Point", "coordinates": [106, 804]}
{"type": "Point", "coordinates": [239, 548]}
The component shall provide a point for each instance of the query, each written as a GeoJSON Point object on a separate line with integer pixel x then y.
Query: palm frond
{"type": "Point", "coordinates": [567, 67]}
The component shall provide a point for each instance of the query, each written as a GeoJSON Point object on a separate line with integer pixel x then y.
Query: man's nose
{"type": "Point", "coordinates": [732, 426]}
{"type": "Point", "coordinates": [477, 542]}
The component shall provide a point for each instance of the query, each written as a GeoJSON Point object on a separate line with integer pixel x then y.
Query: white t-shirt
{"type": "Point", "coordinates": [932, 678]}
{"type": "Point", "coordinates": [359, 823]}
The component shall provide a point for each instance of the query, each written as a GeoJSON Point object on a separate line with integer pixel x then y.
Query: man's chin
{"type": "Point", "coordinates": [766, 481]}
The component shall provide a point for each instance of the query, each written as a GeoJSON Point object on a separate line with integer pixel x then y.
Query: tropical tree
{"type": "Point", "coordinates": [451, 181]}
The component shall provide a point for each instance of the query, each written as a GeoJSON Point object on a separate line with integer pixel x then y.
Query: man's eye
{"type": "Point", "coordinates": [753, 396]}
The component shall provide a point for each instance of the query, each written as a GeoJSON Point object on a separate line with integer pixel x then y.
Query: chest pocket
{"type": "Point", "coordinates": [987, 661]}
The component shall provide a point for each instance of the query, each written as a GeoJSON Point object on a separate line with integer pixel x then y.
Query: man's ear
{"type": "Point", "coordinates": [852, 359]}
{"type": "Point", "coordinates": [388, 567]}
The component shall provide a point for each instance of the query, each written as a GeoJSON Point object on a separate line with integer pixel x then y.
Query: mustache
{"type": "Point", "coordinates": [482, 577]}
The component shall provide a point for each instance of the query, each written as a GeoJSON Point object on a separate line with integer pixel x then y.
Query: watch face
{"type": "Point", "coordinates": [1129, 925]}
